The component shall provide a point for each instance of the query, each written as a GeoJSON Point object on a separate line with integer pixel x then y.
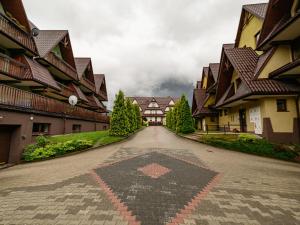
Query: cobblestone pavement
{"type": "Point", "coordinates": [155, 178]}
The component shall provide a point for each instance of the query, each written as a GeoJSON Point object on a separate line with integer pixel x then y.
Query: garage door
{"type": "Point", "coordinates": [5, 137]}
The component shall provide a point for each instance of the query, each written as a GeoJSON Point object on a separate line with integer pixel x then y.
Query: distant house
{"type": "Point", "coordinates": [258, 83]}
{"type": "Point", "coordinates": [38, 74]}
{"type": "Point", "coordinates": [154, 109]}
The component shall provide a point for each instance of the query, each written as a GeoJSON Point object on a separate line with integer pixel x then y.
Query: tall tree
{"type": "Point", "coordinates": [130, 115]}
{"type": "Point", "coordinates": [119, 124]}
{"type": "Point", "coordinates": [187, 118]}
{"type": "Point", "coordinates": [138, 116]}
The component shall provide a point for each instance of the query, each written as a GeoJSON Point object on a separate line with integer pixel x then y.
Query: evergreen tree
{"type": "Point", "coordinates": [187, 118]}
{"type": "Point", "coordinates": [138, 117]}
{"type": "Point", "coordinates": [119, 124]}
{"type": "Point", "coordinates": [130, 115]}
{"type": "Point", "coordinates": [179, 114]}
{"type": "Point", "coordinates": [174, 119]}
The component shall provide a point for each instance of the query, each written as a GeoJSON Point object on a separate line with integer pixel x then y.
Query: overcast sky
{"type": "Point", "coordinates": [145, 47]}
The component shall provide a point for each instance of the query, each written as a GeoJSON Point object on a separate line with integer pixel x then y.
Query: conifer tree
{"type": "Point", "coordinates": [179, 114]}
{"type": "Point", "coordinates": [138, 117]}
{"type": "Point", "coordinates": [119, 124]}
{"type": "Point", "coordinates": [187, 118]}
{"type": "Point", "coordinates": [174, 114]}
{"type": "Point", "coordinates": [130, 115]}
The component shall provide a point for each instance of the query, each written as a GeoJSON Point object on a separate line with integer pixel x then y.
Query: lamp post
{"type": "Point", "coordinates": [73, 100]}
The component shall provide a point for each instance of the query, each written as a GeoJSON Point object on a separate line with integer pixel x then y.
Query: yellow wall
{"type": "Point", "coordinates": [281, 121]}
{"type": "Point", "coordinates": [212, 125]}
{"type": "Point", "coordinates": [211, 101]}
{"type": "Point", "coordinates": [204, 82]}
{"type": "Point", "coordinates": [249, 32]}
{"type": "Point", "coordinates": [281, 57]}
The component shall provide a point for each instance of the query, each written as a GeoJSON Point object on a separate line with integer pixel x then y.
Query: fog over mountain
{"type": "Point", "coordinates": [144, 47]}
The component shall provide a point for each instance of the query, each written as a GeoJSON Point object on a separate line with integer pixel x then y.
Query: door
{"type": "Point", "coordinates": [243, 121]}
{"type": "Point", "coordinates": [5, 138]}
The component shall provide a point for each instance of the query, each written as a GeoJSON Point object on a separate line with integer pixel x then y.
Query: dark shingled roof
{"type": "Point", "coordinates": [163, 102]}
{"type": "Point", "coordinates": [258, 10]}
{"type": "Point", "coordinates": [214, 67]}
{"type": "Point", "coordinates": [40, 74]}
{"type": "Point", "coordinates": [81, 65]}
{"type": "Point", "coordinates": [200, 97]}
{"type": "Point", "coordinates": [48, 39]}
{"type": "Point", "coordinates": [99, 79]}
{"type": "Point", "coordinates": [79, 93]}
{"type": "Point", "coordinates": [244, 61]}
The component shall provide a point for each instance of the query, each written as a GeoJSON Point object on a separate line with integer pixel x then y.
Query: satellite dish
{"type": "Point", "coordinates": [35, 32]}
{"type": "Point", "coordinates": [73, 100]}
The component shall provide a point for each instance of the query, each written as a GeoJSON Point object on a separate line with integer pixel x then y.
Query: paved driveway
{"type": "Point", "coordinates": [155, 178]}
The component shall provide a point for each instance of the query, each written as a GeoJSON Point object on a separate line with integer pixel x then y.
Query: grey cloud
{"type": "Point", "coordinates": [139, 43]}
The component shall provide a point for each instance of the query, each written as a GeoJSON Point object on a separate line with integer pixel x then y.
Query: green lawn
{"type": "Point", "coordinates": [246, 143]}
{"type": "Point", "coordinates": [98, 138]}
{"type": "Point", "coordinates": [51, 147]}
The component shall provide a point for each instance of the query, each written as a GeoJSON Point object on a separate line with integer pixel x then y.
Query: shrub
{"type": "Point", "coordinates": [248, 138]}
{"type": "Point", "coordinates": [35, 152]}
{"type": "Point", "coordinates": [41, 141]}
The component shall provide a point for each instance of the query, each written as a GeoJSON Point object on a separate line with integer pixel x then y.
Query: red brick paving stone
{"type": "Point", "coordinates": [154, 170]}
{"type": "Point", "coordinates": [170, 191]}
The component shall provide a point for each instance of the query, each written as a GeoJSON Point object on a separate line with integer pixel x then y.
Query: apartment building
{"type": "Point", "coordinates": [38, 74]}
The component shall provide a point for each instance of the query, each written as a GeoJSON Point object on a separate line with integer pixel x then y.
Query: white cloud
{"type": "Point", "coordinates": [141, 44]}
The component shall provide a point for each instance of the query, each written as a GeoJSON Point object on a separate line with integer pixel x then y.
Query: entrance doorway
{"type": "Point", "coordinates": [5, 140]}
{"type": "Point", "coordinates": [243, 120]}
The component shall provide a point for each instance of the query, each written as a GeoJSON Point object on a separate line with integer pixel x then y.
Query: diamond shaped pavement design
{"type": "Point", "coordinates": [154, 188]}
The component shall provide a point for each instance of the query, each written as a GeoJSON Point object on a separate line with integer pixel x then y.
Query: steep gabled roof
{"type": "Point", "coordinates": [79, 93]}
{"type": "Point", "coordinates": [258, 10]}
{"type": "Point", "coordinates": [81, 65]}
{"type": "Point", "coordinates": [214, 68]}
{"type": "Point", "coordinates": [40, 74]}
{"type": "Point", "coordinates": [48, 39]}
{"type": "Point", "coordinates": [244, 61]}
{"type": "Point", "coordinates": [200, 97]}
{"type": "Point", "coordinates": [100, 84]}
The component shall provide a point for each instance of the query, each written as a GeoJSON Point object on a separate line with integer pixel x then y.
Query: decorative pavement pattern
{"type": "Point", "coordinates": [153, 187]}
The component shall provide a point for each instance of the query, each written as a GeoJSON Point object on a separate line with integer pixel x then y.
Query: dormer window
{"type": "Point", "coordinates": [153, 105]}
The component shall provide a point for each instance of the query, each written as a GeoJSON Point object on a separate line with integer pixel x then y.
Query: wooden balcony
{"type": "Point", "coordinates": [102, 95]}
{"type": "Point", "coordinates": [22, 100]}
{"type": "Point", "coordinates": [10, 29]}
{"type": "Point", "coordinates": [88, 84]}
{"type": "Point", "coordinates": [61, 65]}
{"type": "Point", "coordinates": [11, 67]}
{"type": "Point", "coordinates": [65, 91]}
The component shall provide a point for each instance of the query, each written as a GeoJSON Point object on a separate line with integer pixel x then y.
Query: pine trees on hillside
{"type": "Point", "coordinates": [126, 117]}
{"type": "Point", "coordinates": [179, 119]}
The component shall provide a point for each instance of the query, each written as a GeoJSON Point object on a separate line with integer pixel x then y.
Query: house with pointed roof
{"type": "Point", "coordinates": [154, 109]}
{"type": "Point", "coordinates": [251, 93]}
{"type": "Point", "coordinates": [38, 74]}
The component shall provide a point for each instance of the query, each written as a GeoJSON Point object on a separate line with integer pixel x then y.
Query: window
{"type": "Point", "coordinates": [281, 105]}
{"type": "Point", "coordinates": [225, 112]}
{"type": "Point", "coordinates": [76, 128]}
{"type": "Point", "coordinates": [40, 128]}
{"type": "Point", "coordinates": [296, 49]}
{"type": "Point", "coordinates": [221, 113]}
{"type": "Point", "coordinates": [213, 119]}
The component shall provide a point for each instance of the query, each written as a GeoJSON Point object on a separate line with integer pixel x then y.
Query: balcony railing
{"type": "Point", "coordinates": [65, 91]}
{"type": "Point", "coordinates": [88, 84]}
{"type": "Point", "coordinates": [61, 65]}
{"type": "Point", "coordinates": [12, 67]}
{"type": "Point", "coordinates": [16, 33]}
{"type": "Point", "coordinates": [20, 99]}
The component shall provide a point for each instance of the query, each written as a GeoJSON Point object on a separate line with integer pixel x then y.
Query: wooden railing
{"type": "Point", "coordinates": [61, 65]}
{"type": "Point", "coordinates": [65, 91]}
{"type": "Point", "coordinates": [16, 33]}
{"type": "Point", "coordinates": [103, 95]}
{"type": "Point", "coordinates": [12, 67]}
{"type": "Point", "coordinates": [19, 99]}
{"type": "Point", "coordinates": [88, 84]}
